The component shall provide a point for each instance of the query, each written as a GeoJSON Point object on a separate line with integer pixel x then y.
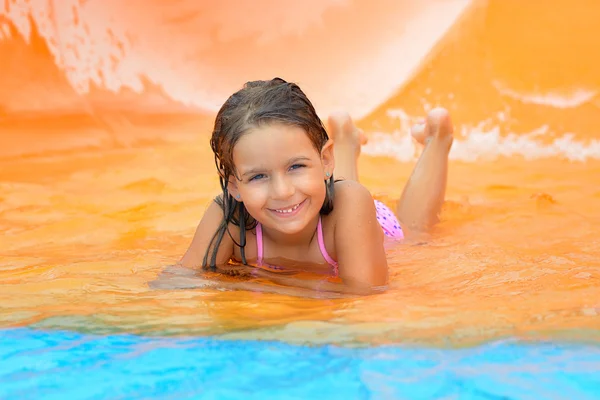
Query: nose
{"type": "Point", "coordinates": [282, 188]}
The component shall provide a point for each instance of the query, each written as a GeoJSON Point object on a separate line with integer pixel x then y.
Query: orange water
{"type": "Point", "coordinates": [101, 186]}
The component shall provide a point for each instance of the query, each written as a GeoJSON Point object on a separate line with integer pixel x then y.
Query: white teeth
{"type": "Point", "coordinates": [289, 210]}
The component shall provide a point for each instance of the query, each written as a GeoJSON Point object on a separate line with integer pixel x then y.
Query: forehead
{"type": "Point", "coordinates": [272, 144]}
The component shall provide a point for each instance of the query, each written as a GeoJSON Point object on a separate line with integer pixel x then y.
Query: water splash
{"type": "Point", "coordinates": [485, 141]}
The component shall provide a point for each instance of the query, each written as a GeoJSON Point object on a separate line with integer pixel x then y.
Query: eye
{"type": "Point", "coordinates": [256, 177]}
{"type": "Point", "coordinates": [297, 166]}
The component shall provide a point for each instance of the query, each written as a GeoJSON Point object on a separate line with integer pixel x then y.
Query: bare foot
{"type": "Point", "coordinates": [437, 125]}
{"type": "Point", "coordinates": [343, 132]}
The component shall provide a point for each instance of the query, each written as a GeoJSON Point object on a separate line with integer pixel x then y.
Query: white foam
{"type": "Point", "coordinates": [483, 142]}
{"type": "Point", "coordinates": [572, 98]}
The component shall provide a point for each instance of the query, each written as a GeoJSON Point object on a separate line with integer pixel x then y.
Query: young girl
{"type": "Point", "coordinates": [281, 210]}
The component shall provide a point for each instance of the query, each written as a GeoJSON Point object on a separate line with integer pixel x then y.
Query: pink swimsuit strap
{"type": "Point", "coordinates": [320, 240]}
{"type": "Point", "coordinates": [324, 252]}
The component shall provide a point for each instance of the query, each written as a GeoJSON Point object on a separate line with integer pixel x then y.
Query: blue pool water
{"type": "Point", "coordinates": [63, 365]}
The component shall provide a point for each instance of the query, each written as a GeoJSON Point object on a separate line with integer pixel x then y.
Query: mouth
{"type": "Point", "coordinates": [288, 211]}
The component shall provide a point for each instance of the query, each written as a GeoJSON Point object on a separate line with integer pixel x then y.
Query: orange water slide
{"type": "Point", "coordinates": [520, 65]}
{"type": "Point", "coordinates": [109, 66]}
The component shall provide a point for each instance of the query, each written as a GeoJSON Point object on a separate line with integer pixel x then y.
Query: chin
{"type": "Point", "coordinates": [291, 229]}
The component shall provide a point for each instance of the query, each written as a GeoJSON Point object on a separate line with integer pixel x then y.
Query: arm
{"type": "Point", "coordinates": [359, 246]}
{"type": "Point", "coordinates": [174, 277]}
{"type": "Point", "coordinates": [359, 240]}
{"type": "Point", "coordinates": [213, 216]}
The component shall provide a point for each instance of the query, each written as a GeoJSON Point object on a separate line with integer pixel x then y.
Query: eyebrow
{"type": "Point", "coordinates": [291, 161]}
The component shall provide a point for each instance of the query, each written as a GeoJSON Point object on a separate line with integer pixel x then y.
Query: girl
{"type": "Point", "coordinates": [281, 211]}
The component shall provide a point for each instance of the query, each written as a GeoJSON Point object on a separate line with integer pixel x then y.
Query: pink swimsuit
{"type": "Point", "coordinates": [386, 218]}
{"type": "Point", "coordinates": [388, 221]}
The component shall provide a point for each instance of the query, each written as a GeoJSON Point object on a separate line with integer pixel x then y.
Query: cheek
{"type": "Point", "coordinates": [254, 196]}
{"type": "Point", "coordinates": [315, 186]}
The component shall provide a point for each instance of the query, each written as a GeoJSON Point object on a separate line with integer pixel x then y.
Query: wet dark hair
{"type": "Point", "coordinates": [257, 104]}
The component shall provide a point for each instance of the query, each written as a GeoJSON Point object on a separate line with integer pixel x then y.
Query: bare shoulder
{"type": "Point", "coordinates": [353, 205]}
{"type": "Point", "coordinates": [205, 239]}
{"type": "Point", "coordinates": [351, 195]}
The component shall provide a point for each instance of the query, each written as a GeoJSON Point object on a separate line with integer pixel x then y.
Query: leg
{"type": "Point", "coordinates": [347, 141]}
{"type": "Point", "coordinates": [423, 195]}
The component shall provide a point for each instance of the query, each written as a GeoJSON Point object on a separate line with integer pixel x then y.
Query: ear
{"type": "Point", "coordinates": [327, 158]}
{"type": "Point", "coordinates": [232, 187]}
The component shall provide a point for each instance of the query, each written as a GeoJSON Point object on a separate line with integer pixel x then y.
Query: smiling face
{"type": "Point", "coordinates": [280, 176]}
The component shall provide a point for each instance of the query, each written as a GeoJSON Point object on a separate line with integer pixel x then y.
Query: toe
{"type": "Point", "coordinates": [439, 121]}
{"type": "Point", "coordinates": [338, 120]}
{"type": "Point", "coordinates": [418, 132]}
{"type": "Point", "coordinates": [362, 137]}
